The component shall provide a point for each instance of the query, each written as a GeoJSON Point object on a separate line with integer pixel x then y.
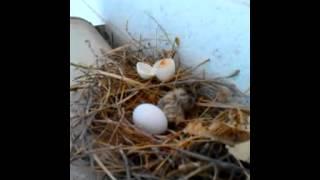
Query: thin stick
{"type": "Point", "coordinates": [128, 80]}
{"type": "Point", "coordinates": [108, 92]}
{"type": "Point", "coordinates": [118, 49]}
{"type": "Point", "coordinates": [225, 106]}
{"type": "Point", "coordinates": [136, 43]}
{"type": "Point", "coordinates": [136, 148]}
{"type": "Point", "coordinates": [245, 172]}
{"type": "Point", "coordinates": [168, 84]}
{"type": "Point", "coordinates": [124, 157]}
{"type": "Point", "coordinates": [204, 112]}
{"type": "Point", "coordinates": [94, 11]}
{"type": "Point", "coordinates": [127, 98]}
{"type": "Point", "coordinates": [197, 66]}
{"type": "Point", "coordinates": [122, 87]}
{"type": "Point", "coordinates": [106, 121]}
{"type": "Point", "coordinates": [198, 170]}
{"type": "Point", "coordinates": [205, 158]}
{"type": "Point", "coordinates": [161, 164]}
{"type": "Point", "coordinates": [161, 28]}
{"type": "Point", "coordinates": [148, 176]}
{"type": "Point", "coordinates": [216, 172]}
{"type": "Point", "coordinates": [103, 167]}
{"type": "Point", "coordinates": [77, 86]}
{"type": "Point", "coordinates": [233, 74]}
{"type": "Point", "coordinates": [117, 127]}
{"type": "Point", "coordinates": [183, 168]}
{"type": "Point", "coordinates": [142, 132]}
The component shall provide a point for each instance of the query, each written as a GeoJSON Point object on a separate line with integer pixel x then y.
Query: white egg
{"type": "Point", "coordinates": [150, 118]}
{"type": "Point", "coordinates": [164, 69]}
{"type": "Point", "coordinates": [144, 70]}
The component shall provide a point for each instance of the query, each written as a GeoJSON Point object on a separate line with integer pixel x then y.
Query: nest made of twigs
{"type": "Point", "coordinates": [192, 149]}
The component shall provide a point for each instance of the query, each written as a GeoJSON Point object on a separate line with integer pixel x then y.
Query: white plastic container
{"type": "Point", "coordinates": [83, 35]}
{"type": "Point", "coordinates": [82, 32]}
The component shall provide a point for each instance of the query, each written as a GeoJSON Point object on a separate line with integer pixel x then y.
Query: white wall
{"type": "Point", "coordinates": [215, 29]}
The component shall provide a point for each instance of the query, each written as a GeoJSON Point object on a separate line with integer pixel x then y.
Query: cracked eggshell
{"type": "Point", "coordinates": [164, 69]}
{"type": "Point", "coordinates": [144, 70]}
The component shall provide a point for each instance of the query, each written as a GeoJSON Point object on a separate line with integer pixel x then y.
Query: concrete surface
{"type": "Point", "coordinates": [215, 29]}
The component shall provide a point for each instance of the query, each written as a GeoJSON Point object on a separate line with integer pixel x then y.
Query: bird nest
{"type": "Point", "coordinates": [195, 144]}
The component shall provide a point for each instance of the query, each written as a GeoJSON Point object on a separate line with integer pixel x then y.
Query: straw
{"type": "Point", "coordinates": [123, 151]}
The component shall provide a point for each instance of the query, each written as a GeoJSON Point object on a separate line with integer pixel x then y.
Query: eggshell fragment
{"type": "Point", "coordinates": [144, 70]}
{"type": "Point", "coordinates": [164, 69]}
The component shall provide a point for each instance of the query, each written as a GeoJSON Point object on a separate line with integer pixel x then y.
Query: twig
{"type": "Point", "coordinates": [146, 176]}
{"type": "Point", "coordinates": [205, 158]}
{"type": "Point", "coordinates": [124, 157]}
{"type": "Point", "coordinates": [143, 133]}
{"type": "Point", "coordinates": [197, 66]}
{"type": "Point", "coordinates": [96, 151]}
{"type": "Point", "coordinates": [161, 28]}
{"type": "Point", "coordinates": [128, 80]}
{"type": "Point", "coordinates": [156, 48]}
{"type": "Point", "coordinates": [135, 148]}
{"type": "Point", "coordinates": [245, 171]}
{"type": "Point", "coordinates": [75, 87]}
{"type": "Point", "coordinates": [94, 11]}
{"type": "Point", "coordinates": [117, 127]}
{"type": "Point", "coordinates": [220, 105]}
{"type": "Point", "coordinates": [161, 164]}
{"type": "Point", "coordinates": [233, 74]}
{"type": "Point", "coordinates": [118, 49]}
{"type": "Point", "coordinates": [105, 99]}
{"type": "Point", "coordinates": [216, 172]}
{"type": "Point", "coordinates": [190, 81]}
{"type": "Point", "coordinates": [103, 167]}
{"type": "Point", "coordinates": [183, 168]}
{"type": "Point", "coordinates": [121, 94]}
{"type": "Point", "coordinates": [204, 112]}
{"type": "Point", "coordinates": [127, 98]}
{"type": "Point", "coordinates": [87, 121]}
{"type": "Point", "coordinates": [198, 170]}
{"type": "Point", "coordinates": [134, 39]}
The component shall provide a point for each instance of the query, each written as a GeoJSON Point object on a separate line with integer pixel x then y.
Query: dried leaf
{"type": "Point", "coordinates": [219, 131]}
{"type": "Point", "coordinates": [228, 133]}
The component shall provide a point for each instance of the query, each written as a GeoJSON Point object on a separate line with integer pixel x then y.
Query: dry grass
{"type": "Point", "coordinates": [118, 148]}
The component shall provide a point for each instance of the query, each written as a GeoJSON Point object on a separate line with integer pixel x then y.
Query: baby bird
{"type": "Point", "coordinates": [175, 103]}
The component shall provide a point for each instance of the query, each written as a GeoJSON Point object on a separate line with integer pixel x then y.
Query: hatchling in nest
{"type": "Point", "coordinates": [175, 103]}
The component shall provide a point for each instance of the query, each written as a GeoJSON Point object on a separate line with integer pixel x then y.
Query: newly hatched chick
{"type": "Point", "coordinates": [175, 103]}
